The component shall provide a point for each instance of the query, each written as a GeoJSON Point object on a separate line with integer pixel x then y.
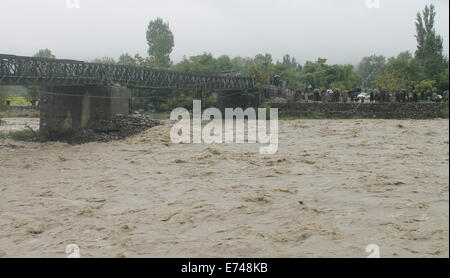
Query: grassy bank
{"type": "Point", "coordinates": [28, 135]}
{"type": "Point", "coordinates": [23, 135]}
{"type": "Point", "coordinates": [11, 113]}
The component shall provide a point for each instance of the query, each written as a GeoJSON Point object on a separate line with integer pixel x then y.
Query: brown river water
{"type": "Point", "coordinates": [333, 188]}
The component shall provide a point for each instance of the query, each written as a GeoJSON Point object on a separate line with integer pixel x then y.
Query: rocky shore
{"type": "Point", "coordinates": [119, 127]}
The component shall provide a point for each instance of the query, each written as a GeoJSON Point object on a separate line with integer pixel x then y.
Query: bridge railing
{"type": "Point", "coordinates": [18, 70]}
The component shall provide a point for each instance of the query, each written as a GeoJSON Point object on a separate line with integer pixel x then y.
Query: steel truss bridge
{"type": "Point", "coordinates": [19, 70]}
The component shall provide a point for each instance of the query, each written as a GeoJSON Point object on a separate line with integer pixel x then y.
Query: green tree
{"type": "Point", "coordinates": [443, 80]}
{"type": "Point", "coordinates": [261, 68]}
{"type": "Point", "coordinates": [425, 86]}
{"type": "Point", "coordinates": [322, 76]}
{"type": "Point", "coordinates": [369, 68]}
{"type": "Point", "coordinates": [400, 73]}
{"type": "Point", "coordinates": [204, 63]}
{"type": "Point", "coordinates": [224, 63]}
{"type": "Point", "coordinates": [104, 60]}
{"type": "Point", "coordinates": [44, 53]}
{"type": "Point", "coordinates": [160, 42]}
{"type": "Point", "coordinates": [346, 78]}
{"type": "Point", "coordinates": [310, 75]}
{"type": "Point", "coordinates": [428, 42]}
{"type": "Point", "coordinates": [242, 65]}
{"type": "Point", "coordinates": [127, 60]}
{"type": "Point", "coordinates": [140, 61]}
{"type": "Point", "coordinates": [430, 46]}
{"type": "Point", "coordinates": [404, 56]}
{"type": "Point", "coordinates": [290, 71]}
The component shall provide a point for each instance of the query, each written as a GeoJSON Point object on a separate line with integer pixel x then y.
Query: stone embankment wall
{"type": "Point", "coordinates": [365, 110]}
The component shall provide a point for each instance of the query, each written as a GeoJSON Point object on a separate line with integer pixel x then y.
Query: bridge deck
{"type": "Point", "coordinates": [19, 70]}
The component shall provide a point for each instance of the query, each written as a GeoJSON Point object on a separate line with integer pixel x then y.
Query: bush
{"type": "Point", "coordinates": [25, 135]}
{"type": "Point", "coordinates": [11, 113]}
{"type": "Point", "coordinates": [21, 135]}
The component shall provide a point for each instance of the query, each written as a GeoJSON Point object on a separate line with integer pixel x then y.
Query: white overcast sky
{"type": "Point", "coordinates": [343, 31]}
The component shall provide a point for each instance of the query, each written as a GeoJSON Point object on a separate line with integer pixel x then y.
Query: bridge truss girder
{"type": "Point", "coordinates": [18, 70]}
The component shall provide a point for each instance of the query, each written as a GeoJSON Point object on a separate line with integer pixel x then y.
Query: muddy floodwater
{"type": "Point", "coordinates": [333, 188]}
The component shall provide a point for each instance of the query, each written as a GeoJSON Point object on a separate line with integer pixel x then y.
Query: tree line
{"type": "Point", "coordinates": [425, 70]}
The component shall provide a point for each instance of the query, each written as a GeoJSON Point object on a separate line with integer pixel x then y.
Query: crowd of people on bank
{"type": "Point", "coordinates": [369, 96]}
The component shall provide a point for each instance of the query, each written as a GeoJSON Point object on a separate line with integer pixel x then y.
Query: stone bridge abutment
{"type": "Point", "coordinates": [71, 108]}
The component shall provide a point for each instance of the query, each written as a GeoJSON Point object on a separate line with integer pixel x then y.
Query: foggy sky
{"type": "Point", "coordinates": [343, 31]}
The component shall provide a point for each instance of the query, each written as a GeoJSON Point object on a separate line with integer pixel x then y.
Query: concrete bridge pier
{"type": "Point", "coordinates": [239, 99]}
{"type": "Point", "coordinates": [70, 108]}
{"type": "Point", "coordinates": [203, 96]}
